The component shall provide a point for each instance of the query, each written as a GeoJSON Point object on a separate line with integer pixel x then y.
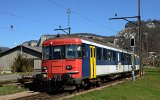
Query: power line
{"type": "Point", "coordinates": [26, 18]}
{"type": "Point", "coordinates": [85, 17]}
{"type": "Point", "coordinates": [15, 30]}
{"type": "Point", "coordinates": [57, 4]}
{"type": "Point", "coordinates": [93, 21]}
{"type": "Point", "coordinates": [44, 22]}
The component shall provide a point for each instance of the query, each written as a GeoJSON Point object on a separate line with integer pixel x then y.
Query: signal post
{"type": "Point", "coordinates": [132, 41]}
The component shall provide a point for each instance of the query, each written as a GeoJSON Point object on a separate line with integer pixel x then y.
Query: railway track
{"type": "Point", "coordinates": [10, 82]}
{"type": "Point", "coordinates": [64, 94]}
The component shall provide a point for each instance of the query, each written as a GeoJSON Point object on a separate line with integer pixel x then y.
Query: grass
{"type": "Point", "coordinates": [10, 89]}
{"type": "Point", "coordinates": [145, 88]}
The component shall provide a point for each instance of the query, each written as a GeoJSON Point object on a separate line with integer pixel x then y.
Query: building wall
{"type": "Point", "coordinates": [6, 61]}
{"type": "Point", "coordinates": [37, 64]}
{"type": "Point", "coordinates": [35, 56]}
{"type": "Point", "coordinates": [29, 53]}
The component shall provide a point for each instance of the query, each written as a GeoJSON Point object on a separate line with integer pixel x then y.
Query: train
{"type": "Point", "coordinates": [71, 62]}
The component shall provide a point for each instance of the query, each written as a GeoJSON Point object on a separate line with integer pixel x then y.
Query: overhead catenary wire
{"type": "Point", "coordinates": [26, 18]}
{"type": "Point", "coordinates": [21, 17]}
{"type": "Point", "coordinates": [85, 17]}
{"type": "Point", "coordinates": [57, 4]}
{"type": "Point", "coordinates": [45, 22]}
{"type": "Point", "coordinates": [16, 30]}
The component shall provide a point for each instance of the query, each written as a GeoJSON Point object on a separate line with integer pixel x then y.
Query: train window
{"type": "Point", "coordinates": [46, 53]}
{"type": "Point", "coordinates": [99, 53]}
{"type": "Point", "coordinates": [109, 55]}
{"type": "Point", "coordinates": [130, 58]}
{"type": "Point", "coordinates": [125, 57]}
{"type": "Point", "coordinates": [79, 51]}
{"type": "Point", "coordinates": [73, 51]}
{"type": "Point", "coordinates": [58, 52]}
{"type": "Point", "coordinates": [83, 51]}
{"type": "Point", "coordinates": [104, 54]}
{"type": "Point", "coordinates": [122, 56]}
{"type": "Point", "coordinates": [114, 56]}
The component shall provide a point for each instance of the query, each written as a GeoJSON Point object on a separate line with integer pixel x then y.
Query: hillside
{"type": "Point", "coordinates": [150, 34]}
{"type": "Point", "coordinates": [2, 49]}
{"type": "Point", "coordinates": [32, 43]}
{"type": "Point", "coordinates": [103, 38]}
{"type": "Point", "coordinates": [150, 30]}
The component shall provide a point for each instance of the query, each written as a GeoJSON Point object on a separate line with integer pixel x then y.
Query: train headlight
{"type": "Point", "coordinates": [45, 75]}
{"type": "Point", "coordinates": [44, 69]}
{"type": "Point", "coordinates": [68, 67]}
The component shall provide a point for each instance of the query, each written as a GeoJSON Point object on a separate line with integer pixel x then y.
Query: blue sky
{"type": "Point", "coordinates": [32, 18]}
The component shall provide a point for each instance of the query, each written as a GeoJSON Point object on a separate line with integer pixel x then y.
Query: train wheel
{"type": "Point", "coordinates": [82, 86]}
{"type": "Point", "coordinates": [77, 87]}
{"type": "Point", "coordinates": [87, 86]}
{"type": "Point", "coordinates": [99, 83]}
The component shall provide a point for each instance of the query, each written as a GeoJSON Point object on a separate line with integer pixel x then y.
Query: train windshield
{"type": "Point", "coordinates": [57, 52]}
{"type": "Point", "coordinates": [62, 52]}
{"type": "Point", "coordinates": [73, 51]}
{"type": "Point", "coordinates": [46, 53]}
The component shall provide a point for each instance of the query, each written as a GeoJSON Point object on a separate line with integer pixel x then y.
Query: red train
{"type": "Point", "coordinates": [72, 62]}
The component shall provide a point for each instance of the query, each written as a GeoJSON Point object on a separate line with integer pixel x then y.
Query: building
{"type": "Point", "coordinates": [32, 43]}
{"type": "Point", "coordinates": [31, 53]}
{"type": "Point", "coordinates": [43, 38]}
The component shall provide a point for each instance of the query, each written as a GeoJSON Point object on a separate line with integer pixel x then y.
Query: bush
{"type": "Point", "coordinates": [157, 63]}
{"type": "Point", "coordinates": [21, 64]}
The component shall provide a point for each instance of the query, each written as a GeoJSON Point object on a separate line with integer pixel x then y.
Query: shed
{"type": "Point", "coordinates": [32, 53]}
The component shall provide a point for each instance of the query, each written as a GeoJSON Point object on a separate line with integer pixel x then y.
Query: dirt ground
{"type": "Point", "coordinates": [18, 95]}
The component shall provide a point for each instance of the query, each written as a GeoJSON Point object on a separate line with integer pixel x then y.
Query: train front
{"type": "Point", "coordinates": [62, 62]}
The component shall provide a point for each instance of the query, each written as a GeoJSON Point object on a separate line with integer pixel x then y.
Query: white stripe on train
{"type": "Point", "coordinates": [103, 46]}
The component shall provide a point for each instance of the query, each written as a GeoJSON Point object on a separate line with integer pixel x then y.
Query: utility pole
{"type": "Point", "coordinates": [133, 57]}
{"type": "Point", "coordinates": [140, 40]}
{"type": "Point", "coordinates": [139, 35]}
{"type": "Point", "coordinates": [69, 28]}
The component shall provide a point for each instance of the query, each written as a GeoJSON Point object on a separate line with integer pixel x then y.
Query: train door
{"type": "Point", "coordinates": [57, 62]}
{"type": "Point", "coordinates": [120, 67]}
{"type": "Point", "coordinates": [92, 62]}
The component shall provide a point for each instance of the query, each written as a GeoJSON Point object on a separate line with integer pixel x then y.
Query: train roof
{"type": "Point", "coordinates": [92, 40]}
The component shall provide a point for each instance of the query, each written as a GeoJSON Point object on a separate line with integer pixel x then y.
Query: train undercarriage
{"type": "Point", "coordinates": [67, 83]}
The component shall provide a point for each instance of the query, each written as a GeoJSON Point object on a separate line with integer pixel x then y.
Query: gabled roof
{"type": "Point", "coordinates": [36, 49]}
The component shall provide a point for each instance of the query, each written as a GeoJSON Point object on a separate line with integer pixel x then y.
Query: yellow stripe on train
{"type": "Point", "coordinates": [92, 62]}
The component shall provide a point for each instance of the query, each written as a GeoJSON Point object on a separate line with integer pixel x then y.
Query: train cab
{"type": "Point", "coordinates": [62, 59]}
